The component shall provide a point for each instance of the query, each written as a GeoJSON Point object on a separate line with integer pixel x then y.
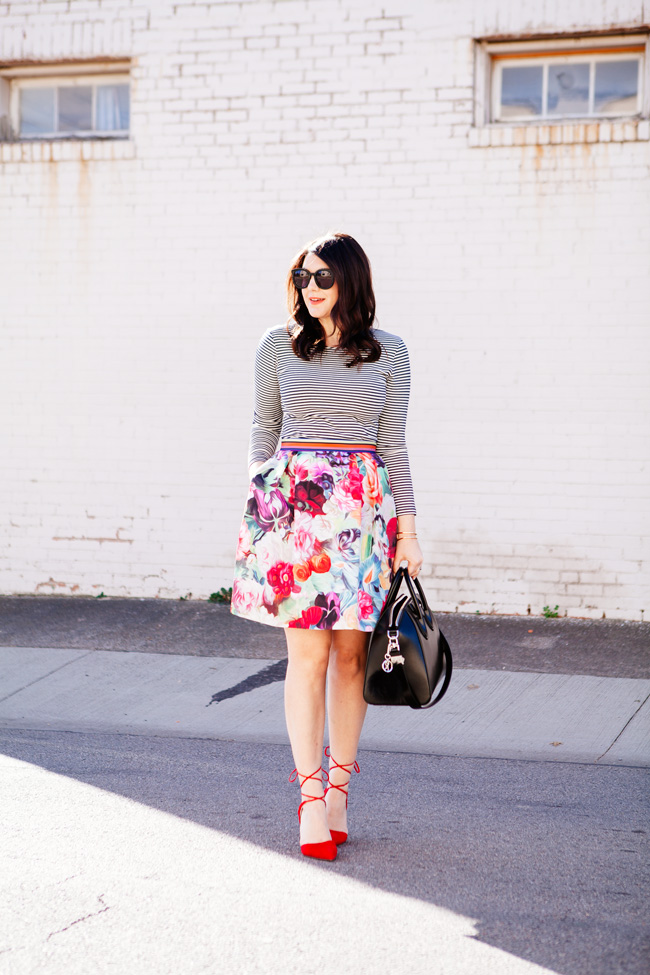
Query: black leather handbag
{"type": "Point", "coordinates": [408, 657]}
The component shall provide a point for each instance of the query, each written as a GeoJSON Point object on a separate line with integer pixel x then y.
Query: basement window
{"type": "Point", "coordinates": [53, 102]}
{"type": "Point", "coordinates": [571, 82]}
{"type": "Point", "coordinates": [554, 86]}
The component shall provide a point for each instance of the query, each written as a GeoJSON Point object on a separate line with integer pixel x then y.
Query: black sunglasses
{"type": "Point", "coordinates": [324, 278]}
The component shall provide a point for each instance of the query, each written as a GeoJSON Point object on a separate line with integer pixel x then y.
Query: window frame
{"type": "Point", "coordinates": [60, 76]}
{"type": "Point", "coordinates": [555, 50]}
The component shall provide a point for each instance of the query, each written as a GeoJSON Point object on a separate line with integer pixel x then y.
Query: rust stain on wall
{"type": "Point", "coordinates": [91, 538]}
{"type": "Point", "coordinates": [53, 584]}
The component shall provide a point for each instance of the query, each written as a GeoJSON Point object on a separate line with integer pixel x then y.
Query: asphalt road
{"type": "Point", "coordinates": [162, 855]}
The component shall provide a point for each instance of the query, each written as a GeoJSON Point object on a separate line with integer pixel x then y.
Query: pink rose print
{"type": "Point", "coordinates": [348, 493]}
{"type": "Point", "coordinates": [312, 470]}
{"type": "Point", "coordinates": [244, 542]}
{"type": "Point", "coordinates": [246, 595]}
{"type": "Point", "coordinates": [364, 603]}
{"type": "Point", "coordinates": [303, 537]}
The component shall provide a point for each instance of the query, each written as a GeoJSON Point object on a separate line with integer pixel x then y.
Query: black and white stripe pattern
{"type": "Point", "coordinates": [324, 400]}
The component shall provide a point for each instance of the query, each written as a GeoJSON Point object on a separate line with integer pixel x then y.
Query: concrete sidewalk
{"type": "Point", "coordinates": [486, 713]}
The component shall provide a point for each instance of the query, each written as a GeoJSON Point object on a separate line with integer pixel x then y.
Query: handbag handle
{"type": "Point", "coordinates": [394, 587]}
{"type": "Point", "coordinates": [428, 615]}
{"type": "Point", "coordinates": [396, 610]}
{"type": "Point", "coordinates": [421, 612]}
{"type": "Point", "coordinates": [419, 597]}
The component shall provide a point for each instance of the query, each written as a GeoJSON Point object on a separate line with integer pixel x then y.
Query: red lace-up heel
{"type": "Point", "coordinates": [320, 851]}
{"type": "Point", "coordinates": [338, 836]}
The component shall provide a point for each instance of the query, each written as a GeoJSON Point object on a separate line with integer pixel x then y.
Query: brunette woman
{"type": "Point", "coordinates": [330, 511]}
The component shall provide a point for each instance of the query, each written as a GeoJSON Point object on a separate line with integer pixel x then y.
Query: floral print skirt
{"type": "Point", "coordinates": [317, 539]}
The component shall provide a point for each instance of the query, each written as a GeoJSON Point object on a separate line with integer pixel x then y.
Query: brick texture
{"type": "Point", "coordinates": [137, 278]}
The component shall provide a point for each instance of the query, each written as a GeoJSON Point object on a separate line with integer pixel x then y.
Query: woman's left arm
{"type": "Point", "coordinates": [391, 447]}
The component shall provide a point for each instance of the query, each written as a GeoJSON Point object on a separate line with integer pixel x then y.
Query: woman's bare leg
{"type": "Point", "coordinates": [304, 705]}
{"type": "Point", "coordinates": [346, 712]}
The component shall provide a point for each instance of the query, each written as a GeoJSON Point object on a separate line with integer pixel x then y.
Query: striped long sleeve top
{"type": "Point", "coordinates": [325, 400]}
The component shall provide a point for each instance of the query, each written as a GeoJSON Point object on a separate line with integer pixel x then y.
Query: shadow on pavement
{"type": "Point", "coordinates": [546, 858]}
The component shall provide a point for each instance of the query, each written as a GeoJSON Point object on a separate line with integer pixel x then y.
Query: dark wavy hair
{"type": "Point", "coordinates": [353, 313]}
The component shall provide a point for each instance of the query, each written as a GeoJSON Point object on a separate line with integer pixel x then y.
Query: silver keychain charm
{"type": "Point", "coordinates": [390, 656]}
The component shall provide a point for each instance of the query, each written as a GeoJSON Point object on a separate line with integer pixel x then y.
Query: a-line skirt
{"type": "Point", "coordinates": [317, 539]}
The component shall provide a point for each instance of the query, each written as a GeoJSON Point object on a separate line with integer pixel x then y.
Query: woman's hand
{"type": "Point", "coordinates": [408, 550]}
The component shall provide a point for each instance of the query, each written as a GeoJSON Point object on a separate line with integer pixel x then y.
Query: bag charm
{"type": "Point", "coordinates": [393, 645]}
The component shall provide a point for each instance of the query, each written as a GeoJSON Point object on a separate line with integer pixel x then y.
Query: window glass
{"type": "Point", "coordinates": [75, 108]}
{"type": "Point", "coordinates": [521, 91]}
{"type": "Point", "coordinates": [568, 89]}
{"type": "Point", "coordinates": [112, 108]}
{"type": "Point", "coordinates": [616, 86]}
{"type": "Point", "coordinates": [36, 111]}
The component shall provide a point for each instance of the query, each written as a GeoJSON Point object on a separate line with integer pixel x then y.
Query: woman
{"type": "Point", "coordinates": [329, 511]}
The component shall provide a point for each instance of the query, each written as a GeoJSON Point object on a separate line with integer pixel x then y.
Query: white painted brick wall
{"type": "Point", "coordinates": [517, 274]}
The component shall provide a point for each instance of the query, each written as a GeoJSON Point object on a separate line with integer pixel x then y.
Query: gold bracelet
{"type": "Point", "coordinates": [406, 535]}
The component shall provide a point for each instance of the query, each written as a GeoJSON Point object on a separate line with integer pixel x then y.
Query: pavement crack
{"type": "Point", "coordinates": [100, 898]}
{"type": "Point", "coordinates": [43, 676]}
{"type": "Point", "coordinates": [268, 675]}
{"type": "Point", "coordinates": [631, 718]}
